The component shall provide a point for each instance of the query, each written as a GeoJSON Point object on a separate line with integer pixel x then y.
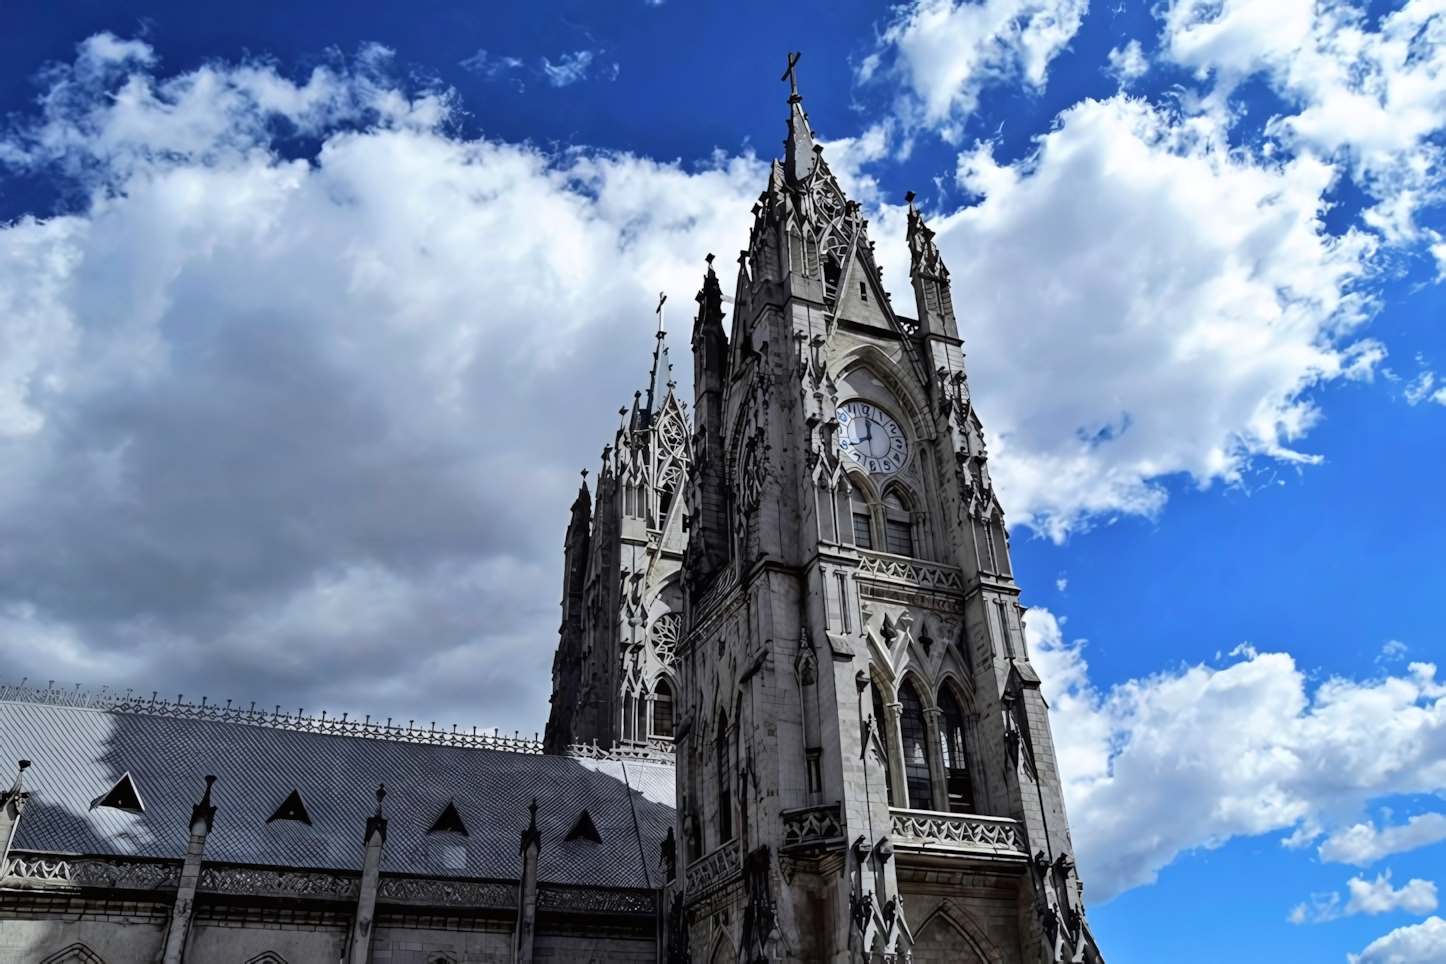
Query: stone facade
{"type": "Point", "coordinates": [865, 769]}
{"type": "Point", "coordinates": [793, 714]}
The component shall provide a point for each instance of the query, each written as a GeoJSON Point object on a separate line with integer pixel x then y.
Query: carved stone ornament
{"type": "Point", "coordinates": [272, 883]}
{"type": "Point", "coordinates": [447, 893]}
{"type": "Point", "coordinates": [721, 865]}
{"type": "Point", "coordinates": [586, 900]}
{"type": "Point", "coordinates": [124, 875]}
{"type": "Point", "coordinates": [664, 635]}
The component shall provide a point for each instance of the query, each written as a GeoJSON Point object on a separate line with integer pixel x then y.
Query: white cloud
{"type": "Point", "coordinates": [1139, 300]}
{"type": "Point", "coordinates": [569, 69]}
{"type": "Point", "coordinates": [1363, 844]}
{"type": "Point", "coordinates": [1129, 64]}
{"type": "Point", "coordinates": [490, 65]}
{"type": "Point", "coordinates": [1423, 943]}
{"type": "Point", "coordinates": [1369, 897]}
{"type": "Point", "coordinates": [1420, 390]}
{"type": "Point", "coordinates": [1374, 98]}
{"type": "Point", "coordinates": [943, 53]}
{"type": "Point", "coordinates": [1187, 759]}
{"type": "Point", "coordinates": [256, 412]}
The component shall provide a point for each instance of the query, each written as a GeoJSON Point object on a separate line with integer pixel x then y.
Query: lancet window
{"type": "Point", "coordinates": [916, 749]}
{"type": "Point", "coordinates": [898, 526]}
{"type": "Point", "coordinates": [663, 710]}
{"type": "Point", "coordinates": [955, 756]}
{"type": "Point", "coordinates": [725, 797]}
{"type": "Point", "coordinates": [862, 517]}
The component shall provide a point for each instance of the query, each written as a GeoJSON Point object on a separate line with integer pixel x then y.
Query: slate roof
{"type": "Point", "coordinates": [78, 753]}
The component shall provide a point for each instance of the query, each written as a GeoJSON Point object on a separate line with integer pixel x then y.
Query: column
{"type": "Point", "coordinates": [201, 816]}
{"type": "Point", "coordinates": [939, 773]}
{"type": "Point", "coordinates": [366, 905]}
{"type": "Point", "coordinates": [527, 890]}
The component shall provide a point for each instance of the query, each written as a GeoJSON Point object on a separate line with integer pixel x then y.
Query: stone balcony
{"type": "Point", "coordinates": [961, 834]}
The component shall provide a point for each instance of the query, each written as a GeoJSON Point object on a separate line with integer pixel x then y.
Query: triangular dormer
{"type": "Point", "coordinates": [122, 796]}
{"type": "Point", "coordinates": [291, 809]}
{"type": "Point", "coordinates": [450, 821]}
{"type": "Point", "coordinates": [584, 829]}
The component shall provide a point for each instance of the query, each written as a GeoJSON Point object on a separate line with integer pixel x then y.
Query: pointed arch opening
{"type": "Point", "coordinates": [861, 512]}
{"type": "Point", "coordinates": [915, 738]}
{"type": "Point", "coordinates": [725, 796]}
{"type": "Point", "coordinates": [955, 753]}
{"type": "Point", "coordinates": [663, 709]}
{"type": "Point", "coordinates": [898, 523]}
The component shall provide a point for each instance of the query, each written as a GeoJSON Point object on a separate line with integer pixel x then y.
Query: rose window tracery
{"type": "Point", "coordinates": [664, 634]}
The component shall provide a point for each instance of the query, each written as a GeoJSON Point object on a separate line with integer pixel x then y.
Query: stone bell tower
{"type": "Point", "coordinates": [865, 770]}
{"type": "Point", "coordinates": [614, 687]}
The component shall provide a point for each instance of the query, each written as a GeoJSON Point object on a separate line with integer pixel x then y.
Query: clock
{"type": "Point", "coordinates": [871, 437]}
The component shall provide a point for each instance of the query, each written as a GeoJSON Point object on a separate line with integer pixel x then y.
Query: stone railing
{"type": "Point", "coordinates": [926, 575]}
{"type": "Point", "coordinates": [38, 869]}
{"type": "Point", "coordinates": [720, 864]}
{"type": "Point", "coordinates": [812, 827]}
{"type": "Point", "coordinates": [926, 829]}
{"type": "Point", "coordinates": [113, 702]}
{"type": "Point", "coordinates": [653, 751]}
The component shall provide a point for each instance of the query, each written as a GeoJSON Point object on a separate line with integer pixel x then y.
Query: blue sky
{"type": "Point", "coordinates": [310, 313]}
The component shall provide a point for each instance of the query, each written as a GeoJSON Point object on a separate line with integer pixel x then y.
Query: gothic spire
{"type": "Point", "coordinates": [799, 149]}
{"type": "Point", "coordinates": [660, 365]}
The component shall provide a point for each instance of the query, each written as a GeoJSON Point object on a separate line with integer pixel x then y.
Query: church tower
{"type": "Point", "coordinates": [613, 684]}
{"type": "Point", "coordinates": [865, 770]}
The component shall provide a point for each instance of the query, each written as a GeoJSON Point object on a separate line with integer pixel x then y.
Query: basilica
{"type": "Point", "coordinates": [793, 713]}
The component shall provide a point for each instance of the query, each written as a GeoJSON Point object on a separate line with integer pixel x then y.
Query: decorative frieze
{"type": "Point", "coordinates": [447, 893]}
{"type": "Point", "coordinates": [813, 828]}
{"type": "Point", "coordinates": [124, 875]}
{"type": "Point", "coordinates": [272, 719]}
{"type": "Point", "coordinates": [652, 751]}
{"type": "Point", "coordinates": [924, 575]}
{"type": "Point", "coordinates": [721, 864]}
{"type": "Point", "coordinates": [923, 829]}
{"type": "Point", "coordinates": [18, 868]}
{"type": "Point", "coordinates": [272, 883]}
{"type": "Point", "coordinates": [589, 900]}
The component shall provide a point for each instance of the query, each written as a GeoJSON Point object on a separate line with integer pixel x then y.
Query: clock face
{"type": "Point", "coordinates": [870, 436]}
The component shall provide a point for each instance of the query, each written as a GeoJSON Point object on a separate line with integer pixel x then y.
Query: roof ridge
{"type": "Point", "coordinates": [112, 702]}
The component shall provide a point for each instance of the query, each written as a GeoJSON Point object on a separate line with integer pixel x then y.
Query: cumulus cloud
{"type": "Point", "coordinates": [1373, 99]}
{"type": "Point", "coordinates": [1140, 300]}
{"type": "Point", "coordinates": [1363, 844]}
{"type": "Point", "coordinates": [1423, 943]}
{"type": "Point", "coordinates": [1128, 64]}
{"type": "Point", "coordinates": [1369, 897]}
{"type": "Point", "coordinates": [943, 53]}
{"type": "Point", "coordinates": [260, 413]}
{"type": "Point", "coordinates": [1190, 758]}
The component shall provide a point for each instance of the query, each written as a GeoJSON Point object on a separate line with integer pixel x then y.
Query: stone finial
{"type": "Point", "coordinates": [531, 836]}
{"type": "Point", "coordinates": [377, 823]}
{"type": "Point", "coordinates": [204, 811]}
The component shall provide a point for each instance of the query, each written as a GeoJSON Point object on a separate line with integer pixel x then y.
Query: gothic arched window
{"type": "Point", "coordinates": [956, 758]}
{"type": "Point", "coordinates": [630, 716]}
{"type": "Point", "coordinates": [916, 749]}
{"type": "Point", "coordinates": [898, 526]}
{"type": "Point", "coordinates": [663, 710]}
{"type": "Point", "coordinates": [725, 798]}
{"type": "Point", "coordinates": [881, 722]}
{"type": "Point", "coordinates": [862, 516]}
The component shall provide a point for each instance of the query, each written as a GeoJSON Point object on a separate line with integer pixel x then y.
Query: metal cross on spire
{"type": "Point", "coordinates": [789, 74]}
